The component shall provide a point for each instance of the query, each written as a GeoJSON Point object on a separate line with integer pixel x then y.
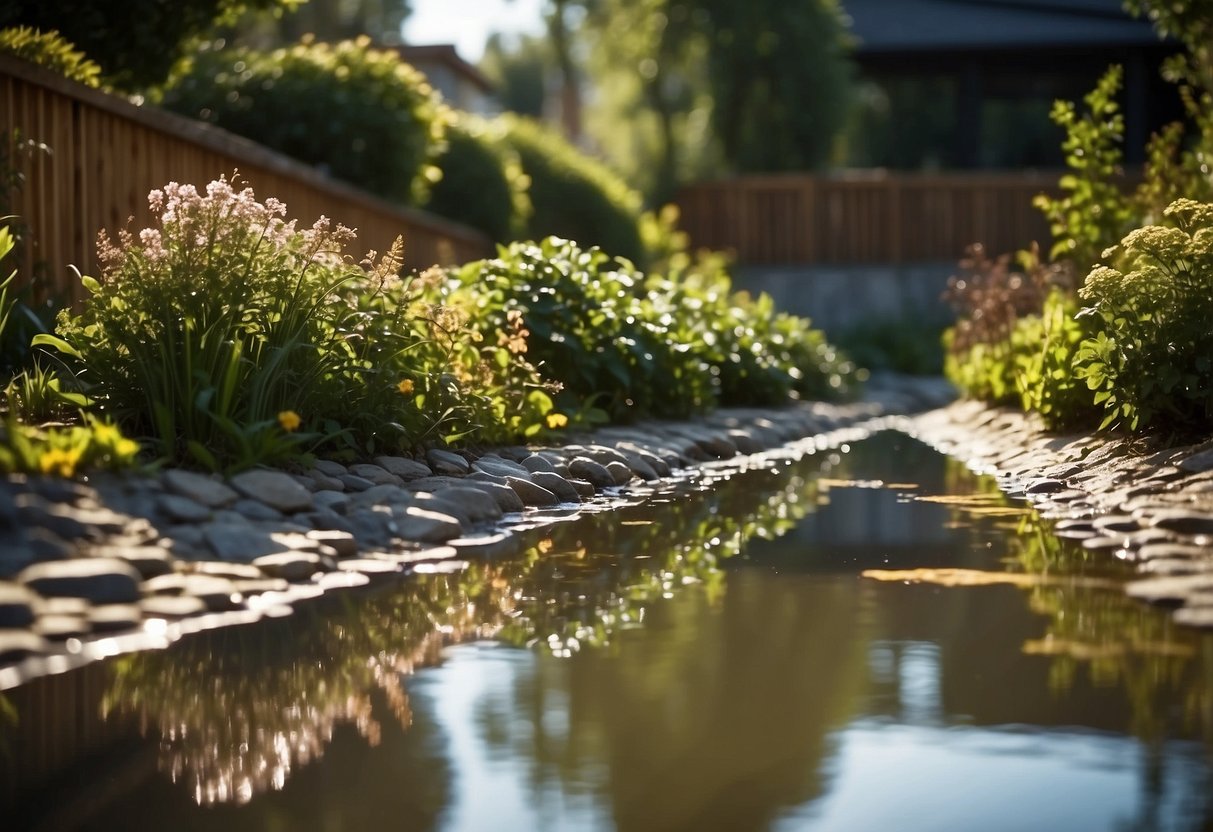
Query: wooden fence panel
{"type": "Point", "coordinates": [865, 217]}
{"type": "Point", "coordinates": [104, 154]}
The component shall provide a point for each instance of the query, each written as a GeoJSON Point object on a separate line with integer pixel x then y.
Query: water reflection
{"type": "Point", "coordinates": [711, 660]}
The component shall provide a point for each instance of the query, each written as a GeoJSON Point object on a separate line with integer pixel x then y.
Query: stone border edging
{"type": "Point", "coordinates": [1116, 495]}
{"type": "Point", "coordinates": [116, 563]}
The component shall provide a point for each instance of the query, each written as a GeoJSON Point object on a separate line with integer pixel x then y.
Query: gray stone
{"type": "Point", "coordinates": [149, 561]}
{"type": "Point", "coordinates": [330, 468]}
{"type": "Point", "coordinates": [199, 488]}
{"type": "Point", "coordinates": [98, 580]}
{"type": "Point", "coordinates": [371, 567]}
{"type": "Point", "coordinates": [370, 527]}
{"type": "Point", "coordinates": [536, 463]}
{"type": "Point", "coordinates": [446, 462]}
{"type": "Point", "coordinates": [745, 441]}
{"type": "Point", "coordinates": [621, 472]}
{"type": "Point", "coordinates": [239, 542]}
{"type": "Point", "coordinates": [273, 488]}
{"type": "Point", "coordinates": [486, 546]}
{"type": "Point", "coordinates": [353, 482]}
{"type": "Point", "coordinates": [289, 566]}
{"type": "Point", "coordinates": [432, 484]}
{"type": "Point", "coordinates": [1198, 462]}
{"type": "Point", "coordinates": [325, 520]}
{"type": "Point", "coordinates": [1115, 523]}
{"type": "Point", "coordinates": [16, 606]}
{"type": "Point", "coordinates": [215, 592]}
{"type": "Point", "coordinates": [501, 467]}
{"type": "Point", "coordinates": [595, 472]}
{"type": "Point", "coordinates": [406, 469]}
{"type": "Point", "coordinates": [59, 490]}
{"type": "Point", "coordinates": [583, 487]}
{"type": "Point", "coordinates": [220, 569]}
{"type": "Point", "coordinates": [1182, 521]}
{"type": "Point", "coordinates": [56, 627]}
{"type": "Point", "coordinates": [182, 509]}
{"type": "Point", "coordinates": [558, 485]}
{"type": "Point", "coordinates": [1195, 616]}
{"type": "Point", "coordinates": [16, 645]}
{"type": "Point", "coordinates": [532, 494]}
{"type": "Point", "coordinates": [641, 467]}
{"type": "Point", "coordinates": [479, 505]}
{"type": "Point", "coordinates": [171, 607]}
{"type": "Point", "coordinates": [1044, 485]}
{"type": "Point", "coordinates": [1170, 589]}
{"type": "Point", "coordinates": [17, 552]}
{"type": "Point", "coordinates": [376, 474]}
{"type": "Point", "coordinates": [332, 500]}
{"type": "Point", "coordinates": [383, 495]}
{"type": "Point", "coordinates": [323, 482]}
{"type": "Point", "coordinates": [505, 497]}
{"type": "Point", "coordinates": [1172, 551]}
{"type": "Point", "coordinates": [342, 543]}
{"type": "Point", "coordinates": [112, 618]}
{"type": "Point", "coordinates": [417, 524]}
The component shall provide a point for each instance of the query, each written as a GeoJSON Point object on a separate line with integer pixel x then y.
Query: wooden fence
{"type": "Point", "coordinates": [103, 154]}
{"type": "Point", "coordinates": [865, 218]}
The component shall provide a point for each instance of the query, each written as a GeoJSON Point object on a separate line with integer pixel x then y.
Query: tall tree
{"type": "Point", "coordinates": [781, 81]}
{"type": "Point", "coordinates": [518, 71]}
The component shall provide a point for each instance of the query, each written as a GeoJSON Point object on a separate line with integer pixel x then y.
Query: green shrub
{"type": "Point", "coordinates": [223, 330]}
{"type": "Point", "coordinates": [1154, 358]}
{"type": "Point", "coordinates": [482, 181]}
{"type": "Point", "coordinates": [575, 196]}
{"type": "Point", "coordinates": [1044, 347]}
{"type": "Point", "coordinates": [362, 114]}
{"type": "Point", "coordinates": [592, 326]}
{"type": "Point", "coordinates": [50, 50]}
{"type": "Point", "coordinates": [1094, 211]}
{"type": "Point", "coordinates": [903, 345]}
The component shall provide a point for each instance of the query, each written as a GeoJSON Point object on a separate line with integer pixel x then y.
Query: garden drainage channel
{"type": "Point", "coordinates": [831, 640]}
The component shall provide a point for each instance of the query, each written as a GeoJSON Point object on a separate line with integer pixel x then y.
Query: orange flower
{"type": "Point", "coordinates": [405, 386]}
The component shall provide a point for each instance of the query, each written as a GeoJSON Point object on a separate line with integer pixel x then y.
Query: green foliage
{"type": "Point", "coordinates": [50, 50]}
{"type": "Point", "coordinates": [1044, 348]}
{"type": "Point", "coordinates": [223, 330]}
{"type": "Point", "coordinates": [908, 346]}
{"type": "Point", "coordinates": [1094, 212]}
{"type": "Point", "coordinates": [64, 451]}
{"type": "Point", "coordinates": [482, 182]}
{"type": "Point", "coordinates": [1152, 359]}
{"type": "Point", "coordinates": [360, 113]}
{"type": "Point", "coordinates": [780, 80]}
{"type": "Point", "coordinates": [592, 325]}
{"type": "Point", "coordinates": [136, 42]}
{"type": "Point", "coordinates": [574, 196]}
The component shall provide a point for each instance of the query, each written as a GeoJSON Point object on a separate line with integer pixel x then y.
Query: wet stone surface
{"type": "Point", "coordinates": [1124, 498]}
{"type": "Point", "coordinates": [107, 557]}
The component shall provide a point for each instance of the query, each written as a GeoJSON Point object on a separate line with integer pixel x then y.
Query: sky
{"type": "Point", "coordinates": [468, 23]}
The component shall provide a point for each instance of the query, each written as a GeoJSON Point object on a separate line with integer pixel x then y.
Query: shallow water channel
{"type": "Point", "coordinates": [710, 656]}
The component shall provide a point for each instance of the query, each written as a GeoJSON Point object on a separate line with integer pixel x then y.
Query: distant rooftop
{"type": "Point", "coordinates": [951, 25]}
{"type": "Point", "coordinates": [444, 54]}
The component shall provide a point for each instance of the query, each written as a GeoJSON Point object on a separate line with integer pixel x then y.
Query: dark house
{"type": "Point", "coordinates": [969, 83]}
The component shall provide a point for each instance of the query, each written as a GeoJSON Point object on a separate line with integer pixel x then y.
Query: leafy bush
{"type": "Point", "coordinates": [592, 325]}
{"type": "Point", "coordinates": [223, 330]}
{"type": "Point", "coordinates": [360, 113]}
{"type": "Point", "coordinates": [136, 42]}
{"type": "Point", "coordinates": [574, 196]}
{"type": "Point", "coordinates": [1045, 347]}
{"type": "Point", "coordinates": [1153, 358]}
{"type": "Point", "coordinates": [1095, 211]}
{"type": "Point", "coordinates": [50, 50]}
{"type": "Point", "coordinates": [903, 345]}
{"type": "Point", "coordinates": [482, 181]}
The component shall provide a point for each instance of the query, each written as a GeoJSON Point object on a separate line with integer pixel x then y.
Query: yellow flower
{"type": "Point", "coordinates": [289, 420]}
{"type": "Point", "coordinates": [59, 461]}
{"type": "Point", "coordinates": [557, 420]}
{"type": "Point", "coordinates": [405, 386]}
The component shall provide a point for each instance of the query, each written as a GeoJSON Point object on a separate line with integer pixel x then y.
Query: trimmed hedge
{"type": "Point", "coordinates": [362, 114]}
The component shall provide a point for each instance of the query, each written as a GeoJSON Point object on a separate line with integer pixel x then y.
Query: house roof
{"type": "Point", "coordinates": [444, 53]}
{"type": "Point", "coordinates": [952, 25]}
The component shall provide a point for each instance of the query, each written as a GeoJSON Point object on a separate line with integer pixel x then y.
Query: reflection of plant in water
{"type": "Point", "coordinates": [238, 708]}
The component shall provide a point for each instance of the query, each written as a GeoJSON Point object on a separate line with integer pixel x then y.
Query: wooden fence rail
{"type": "Point", "coordinates": [104, 154]}
{"type": "Point", "coordinates": [867, 218]}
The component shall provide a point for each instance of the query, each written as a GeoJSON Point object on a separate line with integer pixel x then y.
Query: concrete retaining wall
{"type": "Point", "coordinates": [837, 298]}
